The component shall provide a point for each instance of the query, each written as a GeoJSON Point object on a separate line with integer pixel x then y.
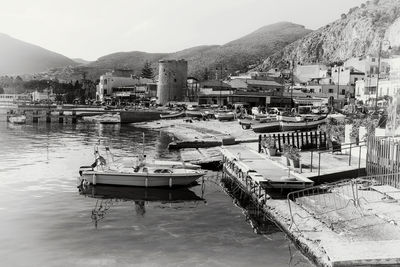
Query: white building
{"type": "Point", "coordinates": [305, 73]}
{"type": "Point", "coordinates": [113, 84]}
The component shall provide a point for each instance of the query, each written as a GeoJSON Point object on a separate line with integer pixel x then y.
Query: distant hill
{"type": "Point", "coordinates": [239, 54]}
{"type": "Point", "coordinates": [356, 33]}
{"type": "Point", "coordinates": [18, 57]}
{"type": "Point", "coordinates": [81, 61]}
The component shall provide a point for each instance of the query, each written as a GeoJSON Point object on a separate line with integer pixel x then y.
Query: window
{"type": "Point", "coordinates": [312, 90]}
{"type": "Point", "coordinates": [343, 91]}
{"type": "Point", "coordinates": [105, 91]}
{"type": "Point", "coordinates": [373, 59]}
{"type": "Point", "coordinates": [330, 90]}
{"type": "Point", "coordinates": [105, 81]}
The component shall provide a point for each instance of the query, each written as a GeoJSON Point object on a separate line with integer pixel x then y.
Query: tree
{"type": "Point", "coordinates": [147, 71]}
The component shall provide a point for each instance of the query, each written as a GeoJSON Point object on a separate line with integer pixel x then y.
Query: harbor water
{"type": "Point", "coordinates": [47, 221]}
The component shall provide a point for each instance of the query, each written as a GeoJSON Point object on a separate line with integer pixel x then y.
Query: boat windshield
{"type": "Point", "coordinates": [162, 171]}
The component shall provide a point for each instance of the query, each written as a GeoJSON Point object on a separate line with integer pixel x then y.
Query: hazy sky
{"type": "Point", "coordinates": [93, 28]}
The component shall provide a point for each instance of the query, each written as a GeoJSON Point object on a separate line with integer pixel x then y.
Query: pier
{"type": "Point", "coordinates": [57, 114]}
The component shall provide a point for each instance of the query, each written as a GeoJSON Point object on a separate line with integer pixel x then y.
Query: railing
{"type": "Point", "coordinates": [348, 196]}
{"type": "Point", "coordinates": [301, 140]}
{"type": "Point", "coordinates": [341, 147]}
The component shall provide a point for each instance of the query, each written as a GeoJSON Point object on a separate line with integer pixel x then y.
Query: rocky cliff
{"type": "Point", "coordinates": [357, 33]}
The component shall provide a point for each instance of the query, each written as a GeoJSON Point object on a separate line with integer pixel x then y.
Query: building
{"type": "Point", "coordinates": [121, 84]}
{"type": "Point", "coordinates": [389, 85]}
{"type": "Point", "coordinates": [172, 78]}
{"type": "Point", "coordinates": [214, 93]}
{"type": "Point", "coordinates": [346, 76]}
{"type": "Point", "coordinates": [46, 95]}
{"type": "Point", "coordinates": [305, 73]}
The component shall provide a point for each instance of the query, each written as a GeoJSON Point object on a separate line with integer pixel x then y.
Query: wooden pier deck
{"type": "Point", "coordinates": [241, 160]}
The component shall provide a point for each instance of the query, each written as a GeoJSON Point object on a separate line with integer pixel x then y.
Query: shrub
{"type": "Point", "coordinates": [291, 152]}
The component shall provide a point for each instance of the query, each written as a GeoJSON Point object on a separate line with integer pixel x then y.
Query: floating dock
{"type": "Point", "coordinates": [242, 162]}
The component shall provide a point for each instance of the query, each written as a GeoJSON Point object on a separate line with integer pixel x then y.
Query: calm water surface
{"type": "Point", "coordinates": [46, 221]}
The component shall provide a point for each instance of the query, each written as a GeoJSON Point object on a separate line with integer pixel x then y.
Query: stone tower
{"type": "Point", "coordinates": [172, 78]}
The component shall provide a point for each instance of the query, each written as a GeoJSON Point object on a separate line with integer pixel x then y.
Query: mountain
{"type": "Point", "coordinates": [81, 61]}
{"type": "Point", "coordinates": [18, 57]}
{"type": "Point", "coordinates": [357, 33]}
{"type": "Point", "coordinates": [235, 55]}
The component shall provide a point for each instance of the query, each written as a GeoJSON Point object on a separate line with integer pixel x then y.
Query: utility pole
{"type": "Point", "coordinates": [220, 82]}
{"type": "Point", "coordinates": [379, 70]}
{"type": "Point", "coordinates": [291, 91]}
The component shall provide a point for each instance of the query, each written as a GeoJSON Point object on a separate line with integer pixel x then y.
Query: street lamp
{"type": "Point", "coordinates": [221, 68]}
{"type": "Point", "coordinates": [379, 70]}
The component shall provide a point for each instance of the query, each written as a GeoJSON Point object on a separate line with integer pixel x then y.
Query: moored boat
{"type": "Point", "coordinates": [173, 115]}
{"type": "Point", "coordinates": [17, 119]}
{"type": "Point", "coordinates": [143, 176]}
{"type": "Point", "coordinates": [301, 125]}
{"type": "Point", "coordinates": [140, 115]}
{"type": "Point", "coordinates": [290, 118]}
{"type": "Point", "coordinates": [224, 115]}
{"type": "Point", "coordinates": [266, 127]}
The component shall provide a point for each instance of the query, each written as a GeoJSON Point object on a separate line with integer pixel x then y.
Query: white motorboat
{"type": "Point", "coordinates": [141, 176]}
{"type": "Point", "coordinates": [136, 171]}
{"type": "Point", "coordinates": [17, 119]}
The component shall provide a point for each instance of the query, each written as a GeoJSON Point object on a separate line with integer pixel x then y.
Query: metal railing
{"type": "Point", "coordinates": [349, 196]}
{"type": "Point", "coordinates": [343, 147]}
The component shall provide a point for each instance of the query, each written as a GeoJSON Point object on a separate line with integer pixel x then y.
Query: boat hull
{"type": "Point", "coordinates": [227, 117]}
{"type": "Point", "coordinates": [132, 116]}
{"type": "Point", "coordinates": [172, 115]}
{"type": "Point", "coordinates": [299, 126]}
{"type": "Point", "coordinates": [138, 179]}
{"type": "Point", "coordinates": [268, 127]}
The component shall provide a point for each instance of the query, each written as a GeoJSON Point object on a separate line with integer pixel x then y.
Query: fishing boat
{"type": "Point", "coordinates": [194, 113]}
{"type": "Point", "coordinates": [109, 119]}
{"type": "Point", "coordinates": [286, 118]}
{"type": "Point", "coordinates": [17, 119]}
{"type": "Point", "coordinates": [266, 127]}
{"type": "Point", "coordinates": [224, 115]}
{"type": "Point", "coordinates": [173, 115]}
{"type": "Point", "coordinates": [140, 115]}
{"type": "Point", "coordinates": [302, 125]}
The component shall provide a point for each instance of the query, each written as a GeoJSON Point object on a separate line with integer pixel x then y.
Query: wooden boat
{"type": "Point", "coordinates": [109, 119]}
{"type": "Point", "coordinates": [261, 116]}
{"type": "Point", "coordinates": [224, 115]}
{"type": "Point", "coordinates": [301, 125]}
{"type": "Point", "coordinates": [266, 127]}
{"type": "Point", "coordinates": [290, 118]}
{"type": "Point", "coordinates": [17, 119]}
{"type": "Point", "coordinates": [173, 115]}
{"type": "Point", "coordinates": [140, 115]}
{"type": "Point", "coordinates": [194, 113]}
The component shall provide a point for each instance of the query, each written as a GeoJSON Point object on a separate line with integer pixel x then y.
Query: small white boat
{"type": "Point", "coordinates": [141, 176]}
{"type": "Point", "coordinates": [137, 172]}
{"type": "Point", "coordinates": [17, 119]}
{"type": "Point", "coordinates": [225, 115]}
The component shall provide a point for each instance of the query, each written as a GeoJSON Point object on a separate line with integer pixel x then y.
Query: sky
{"type": "Point", "coordinates": [90, 29]}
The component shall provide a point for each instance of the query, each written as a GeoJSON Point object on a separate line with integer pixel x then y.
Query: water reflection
{"type": "Point", "coordinates": [107, 196]}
